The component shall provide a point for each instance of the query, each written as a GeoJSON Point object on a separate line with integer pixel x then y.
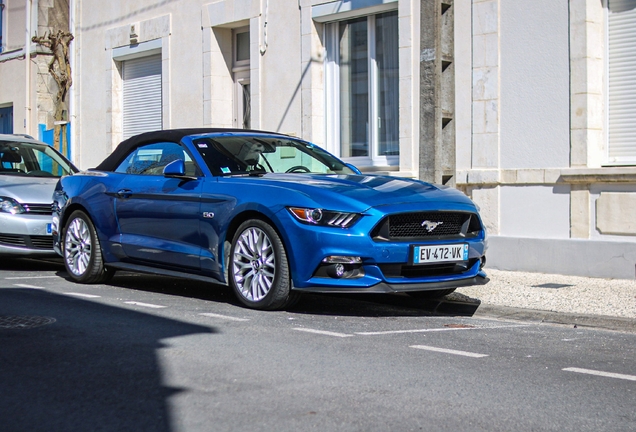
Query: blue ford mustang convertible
{"type": "Point", "coordinates": [270, 215]}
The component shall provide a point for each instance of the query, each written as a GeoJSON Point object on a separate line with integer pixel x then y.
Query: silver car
{"type": "Point", "coordinates": [29, 171]}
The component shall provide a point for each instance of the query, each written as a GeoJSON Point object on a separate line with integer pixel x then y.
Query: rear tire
{"type": "Point", "coordinates": [258, 267]}
{"type": "Point", "coordinates": [434, 294]}
{"type": "Point", "coordinates": [83, 252]}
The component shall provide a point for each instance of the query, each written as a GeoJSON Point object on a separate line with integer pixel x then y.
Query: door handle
{"type": "Point", "coordinates": [124, 193]}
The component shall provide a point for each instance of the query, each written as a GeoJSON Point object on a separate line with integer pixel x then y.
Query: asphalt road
{"type": "Point", "coordinates": [149, 353]}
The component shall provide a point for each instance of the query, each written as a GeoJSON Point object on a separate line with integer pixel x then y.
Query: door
{"type": "Point", "coordinates": [159, 217]}
{"type": "Point", "coordinates": [6, 120]}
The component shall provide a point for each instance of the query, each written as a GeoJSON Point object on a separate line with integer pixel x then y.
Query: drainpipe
{"type": "Point", "coordinates": [74, 152]}
{"type": "Point", "coordinates": [263, 46]}
{"type": "Point", "coordinates": [27, 61]}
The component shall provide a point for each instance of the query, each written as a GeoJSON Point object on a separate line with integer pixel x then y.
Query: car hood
{"type": "Point", "coordinates": [24, 189]}
{"type": "Point", "coordinates": [367, 190]}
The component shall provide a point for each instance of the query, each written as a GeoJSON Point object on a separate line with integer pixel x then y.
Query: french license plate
{"type": "Point", "coordinates": [49, 229]}
{"type": "Point", "coordinates": [440, 253]}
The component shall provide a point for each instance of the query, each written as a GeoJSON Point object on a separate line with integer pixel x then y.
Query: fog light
{"type": "Point", "coordinates": [336, 271]}
{"type": "Point", "coordinates": [337, 259]}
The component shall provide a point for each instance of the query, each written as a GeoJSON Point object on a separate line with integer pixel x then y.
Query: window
{"type": "Point", "coordinates": [241, 72]}
{"type": "Point", "coordinates": [362, 89]}
{"type": "Point", "coordinates": [151, 159]}
{"type": "Point", "coordinates": [622, 82]}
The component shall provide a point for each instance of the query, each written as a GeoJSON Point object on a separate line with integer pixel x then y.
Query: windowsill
{"type": "Point", "coordinates": [495, 177]}
{"type": "Point", "coordinates": [13, 54]}
{"type": "Point", "coordinates": [599, 175]}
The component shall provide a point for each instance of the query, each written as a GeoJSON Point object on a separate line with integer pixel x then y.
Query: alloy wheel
{"type": "Point", "coordinates": [254, 264]}
{"type": "Point", "coordinates": [78, 246]}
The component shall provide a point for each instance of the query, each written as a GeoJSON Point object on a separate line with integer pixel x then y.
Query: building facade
{"type": "Point", "coordinates": [537, 99]}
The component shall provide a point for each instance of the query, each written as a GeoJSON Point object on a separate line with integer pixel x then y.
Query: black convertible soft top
{"type": "Point", "coordinates": [169, 135]}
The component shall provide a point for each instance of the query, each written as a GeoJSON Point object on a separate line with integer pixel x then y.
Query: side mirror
{"type": "Point", "coordinates": [176, 169]}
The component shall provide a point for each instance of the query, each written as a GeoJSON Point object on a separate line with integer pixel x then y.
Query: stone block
{"type": "Point", "coordinates": [485, 150]}
{"type": "Point", "coordinates": [492, 50]}
{"type": "Point", "coordinates": [578, 147]}
{"type": "Point", "coordinates": [485, 17]}
{"type": "Point", "coordinates": [479, 51]}
{"type": "Point", "coordinates": [530, 176]}
{"type": "Point", "coordinates": [509, 176]}
{"type": "Point", "coordinates": [155, 28]}
{"type": "Point", "coordinates": [483, 177]}
{"type": "Point", "coordinates": [488, 201]}
{"type": "Point", "coordinates": [486, 83]}
{"type": "Point", "coordinates": [579, 213]}
{"type": "Point", "coordinates": [485, 116]}
{"type": "Point", "coordinates": [614, 213]}
{"type": "Point", "coordinates": [551, 176]}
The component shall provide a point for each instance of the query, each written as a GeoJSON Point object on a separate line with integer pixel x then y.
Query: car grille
{"type": "Point", "coordinates": [412, 226]}
{"type": "Point", "coordinates": [42, 209]}
{"type": "Point", "coordinates": [31, 242]}
{"type": "Point", "coordinates": [420, 271]}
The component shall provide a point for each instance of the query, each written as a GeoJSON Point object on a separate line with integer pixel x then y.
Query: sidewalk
{"type": "Point", "coordinates": [572, 300]}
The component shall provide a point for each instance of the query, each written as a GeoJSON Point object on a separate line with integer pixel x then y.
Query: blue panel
{"type": "Point", "coordinates": [6, 120]}
{"type": "Point", "coordinates": [47, 136]}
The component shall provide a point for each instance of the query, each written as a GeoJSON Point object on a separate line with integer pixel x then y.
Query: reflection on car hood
{"type": "Point", "coordinates": [372, 190]}
{"type": "Point", "coordinates": [25, 189]}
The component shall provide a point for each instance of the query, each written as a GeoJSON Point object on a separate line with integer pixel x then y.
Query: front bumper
{"type": "Point", "coordinates": [385, 266]}
{"type": "Point", "coordinates": [387, 288]}
{"type": "Point", "coordinates": [25, 234]}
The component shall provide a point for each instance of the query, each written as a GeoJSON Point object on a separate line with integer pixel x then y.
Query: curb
{"type": "Point", "coordinates": [562, 318]}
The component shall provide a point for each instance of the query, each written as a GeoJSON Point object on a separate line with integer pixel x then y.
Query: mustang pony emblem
{"type": "Point", "coordinates": [430, 226]}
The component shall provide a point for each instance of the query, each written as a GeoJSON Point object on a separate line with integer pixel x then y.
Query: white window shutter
{"type": "Point", "coordinates": [142, 95]}
{"type": "Point", "coordinates": [622, 82]}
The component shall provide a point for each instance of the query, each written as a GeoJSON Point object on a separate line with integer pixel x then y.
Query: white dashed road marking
{"type": "Point", "coordinates": [28, 286]}
{"type": "Point", "coordinates": [148, 305]}
{"type": "Point", "coordinates": [601, 373]}
{"type": "Point", "coordinates": [449, 351]}
{"type": "Point", "coordinates": [378, 333]}
{"type": "Point", "coordinates": [323, 332]}
{"type": "Point", "coordinates": [83, 295]}
{"type": "Point", "coordinates": [225, 317]}
{"type": "Point", "coordinates": [31, 277]}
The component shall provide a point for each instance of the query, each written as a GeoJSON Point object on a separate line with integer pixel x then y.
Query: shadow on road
{"type": "Point", "coordinates": [314, 304]}
{"type": "Point", "coordinates": [68, 364]}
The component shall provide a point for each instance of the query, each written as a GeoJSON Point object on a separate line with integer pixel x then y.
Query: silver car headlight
{"type": "Point", "coordinates": [9, 205]}
{"type": "Point", "coordinates": [316, 216]}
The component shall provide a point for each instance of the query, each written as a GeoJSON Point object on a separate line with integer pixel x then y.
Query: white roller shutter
{"type": "Point", "coordinates": [622, 81]}
{"type": "Point", "coordinates": [142, 95]}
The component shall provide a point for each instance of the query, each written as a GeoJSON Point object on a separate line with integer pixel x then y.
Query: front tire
{"type": "Point", "coordinates": [82, 251]}
{"type": "Point", "coordinates": [258, 267]}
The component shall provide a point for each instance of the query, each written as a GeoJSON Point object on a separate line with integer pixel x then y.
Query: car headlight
{"type": "Point", "coordinates": [9, 205]}
{"type": "Point", "coordinates": [316, 216]}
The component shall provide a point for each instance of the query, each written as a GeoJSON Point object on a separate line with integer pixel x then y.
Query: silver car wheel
{"type": "Point", "coordinates": [77, 247]}
{"type": "Point", "coordinates": [254, 264]}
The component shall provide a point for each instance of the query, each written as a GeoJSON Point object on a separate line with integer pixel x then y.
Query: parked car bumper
{"type": "Point", "coordinates": [26, 235]}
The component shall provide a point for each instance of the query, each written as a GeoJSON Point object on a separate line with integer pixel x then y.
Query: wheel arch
{"type": "Point", "coordinates": [253, 214]}
{"type": "Point", "coordinates": [69, 209]}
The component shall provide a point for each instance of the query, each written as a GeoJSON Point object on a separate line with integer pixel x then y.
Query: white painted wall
{"type": "Point", "coordinates": [535, 84]}
{"type": "Point", "coordinates": [463, 83]}
{"type": "Point", "coordinates": [535, 211]}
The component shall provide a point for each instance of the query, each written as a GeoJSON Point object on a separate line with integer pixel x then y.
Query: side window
{"type": "Point", "coordinates": [152, 158]}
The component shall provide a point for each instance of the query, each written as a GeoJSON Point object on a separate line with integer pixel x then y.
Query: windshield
{"type": "Point", "coordinates": [244, 154]}
{"type": "Point", "coordinates": [36, 160]}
